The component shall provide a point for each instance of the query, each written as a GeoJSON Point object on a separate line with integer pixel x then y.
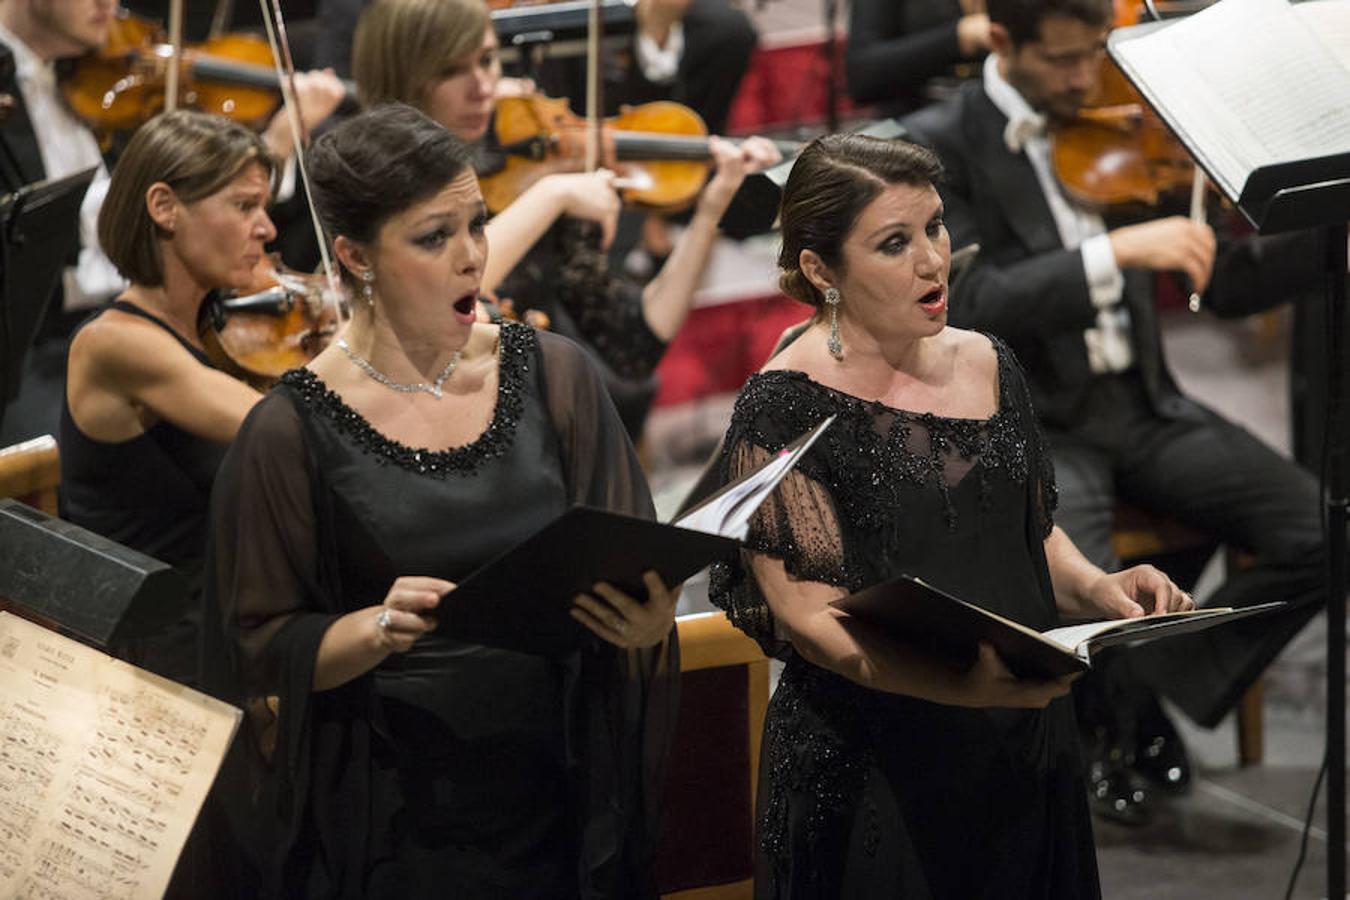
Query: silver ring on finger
{"type": "Point", "coordinates": [621, 626]}
{"type": "Point", "coordinates": [382, 619]}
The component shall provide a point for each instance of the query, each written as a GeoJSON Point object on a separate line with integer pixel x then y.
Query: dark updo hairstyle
{"type": "Point", "coordinates": [830, 184]}
{"type": "Point", "coordinates": [1023, 18]}
{"type": "Point", "coordinates": [379, 163]}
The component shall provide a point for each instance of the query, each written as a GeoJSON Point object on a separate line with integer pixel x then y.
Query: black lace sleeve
{"type": "Point", "coordinates": [628, 723]}
{"type": "Point", "coordinates": [797, 524]}
{"type": "Point", "coordinates": [1044, 494]}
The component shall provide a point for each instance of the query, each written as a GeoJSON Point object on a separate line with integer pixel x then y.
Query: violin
{"type": "Point", "coordinates": [658, 151]}
{"type": "Point", "coordinates": [121, 85]}
{"type": "Point", "coordinates": [1118, 152]}
{"type": "Point", "coordinates": [279, 322]}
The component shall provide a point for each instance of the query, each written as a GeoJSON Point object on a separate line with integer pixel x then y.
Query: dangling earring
{"type": "Point", "coordinates": [834, 345]}
{"type": "Point", "coordinates": [368, 292]}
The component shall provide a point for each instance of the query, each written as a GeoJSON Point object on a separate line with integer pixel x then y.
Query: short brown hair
{"type": "Point", "coordinates": [831, 183]}
{"type": "Point", "coordinates": [403, 47]}
{"type": "Point", "coordinates": [196, 155]}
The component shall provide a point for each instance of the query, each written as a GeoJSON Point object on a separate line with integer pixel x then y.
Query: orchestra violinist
{"type": "Point", "coordinates": [442, 56]}
{"type": "Point", "coordinates": [146, 417]}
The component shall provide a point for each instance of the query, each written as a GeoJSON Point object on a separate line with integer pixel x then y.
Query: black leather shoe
{"type": "Point", "coordinates": [1161, 756]}
{"type": "Point", "coordinates": [1115, 794]}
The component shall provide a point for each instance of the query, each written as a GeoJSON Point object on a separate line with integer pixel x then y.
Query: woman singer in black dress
{"type": "Point", "coordinates": [406, 763]}
{"type": "Point", "coordinates": [888, 773]}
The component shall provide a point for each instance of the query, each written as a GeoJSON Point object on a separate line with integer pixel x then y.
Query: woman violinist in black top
{"type": "Point", "coordinates": [146, 417]}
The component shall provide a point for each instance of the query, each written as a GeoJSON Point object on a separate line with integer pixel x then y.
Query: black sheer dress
{"type": "Point", "coordinates": [867, 794]}
{"type": "Point", "coordinates": [454, 769]}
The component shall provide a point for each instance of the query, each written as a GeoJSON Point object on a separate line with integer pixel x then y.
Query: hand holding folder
{"type": "Point", "coordinates": [521, 600]}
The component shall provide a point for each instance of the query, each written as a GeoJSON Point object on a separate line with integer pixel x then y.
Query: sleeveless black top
{"type": "Point", "coordinates": [152, 493]}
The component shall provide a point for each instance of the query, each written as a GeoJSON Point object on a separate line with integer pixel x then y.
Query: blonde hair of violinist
{"type": "Point", "coordinates": [399, 54]}
{"type": "Point", "coordinates": [185, 214]}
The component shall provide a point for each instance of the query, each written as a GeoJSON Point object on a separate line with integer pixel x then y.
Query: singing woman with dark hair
{"type": "Point", "coordinates": [886, 771]}
{"type": "Point", "coordinates": [405, 762]}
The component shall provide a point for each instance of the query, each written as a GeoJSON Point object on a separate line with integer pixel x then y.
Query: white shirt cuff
{"type": "Point", "coordinates": [661, 64]}
{"type": "Point", "coordinates": [286, 183]}
{"type": "Point", "coordinates": [1105, 283]}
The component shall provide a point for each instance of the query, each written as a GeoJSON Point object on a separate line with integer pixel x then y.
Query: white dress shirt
{"type": "Point", "coordinates": [66, 147]}
{"type": "Point", "coordinates": [1108, 342]}
{"type": "Point", "coordinates": [660, 64]}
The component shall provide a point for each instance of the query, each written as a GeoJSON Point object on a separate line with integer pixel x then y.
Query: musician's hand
{"type": "Point", "coordinates": [1173, 244]}
{"type": "Point", "coordinates": [990, 684]}
{"type": "Point", "coordinates": [624, 622]}
{"type": "Point", "coordinates": [1135, 592]}
{"type": "Point", "coordinates": [972, 34]}
{"type": "Point", "coordinates": [317, 94]}
{"type": "Point", "coordinates": [733, 163]}
{"type": "Point", "coordinates": [514, 87]}
{"type": "Point", "coordinates": [590, 196]}
{"type": "Point", "coordinates": [406, 613]}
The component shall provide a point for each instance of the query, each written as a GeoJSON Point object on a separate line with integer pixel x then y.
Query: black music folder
{"type": "Point", "coordinates": [521, 600]}
{"type": "Point", "coordinates": [39, 232]}
{"type": "Point", "coordinates": [933, 621]}
{"type": "Point", "coordinates": [1256, 91]}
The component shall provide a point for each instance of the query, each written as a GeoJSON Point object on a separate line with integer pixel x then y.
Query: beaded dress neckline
{"type": "Point", "coordinates": [518, 343]}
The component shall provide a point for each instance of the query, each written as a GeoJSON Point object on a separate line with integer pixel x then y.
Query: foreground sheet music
{"type": "Point", "coordinates": [103, 768]}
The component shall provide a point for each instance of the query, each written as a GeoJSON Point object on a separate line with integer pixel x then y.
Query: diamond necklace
{"type": "Point", "coordinates": [434, 389]}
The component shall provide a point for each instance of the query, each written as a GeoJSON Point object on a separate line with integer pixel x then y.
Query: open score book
{"type": "Point", "coordinates": [521, 599]}
{"type": "Point", "coordinates": [922, 616]}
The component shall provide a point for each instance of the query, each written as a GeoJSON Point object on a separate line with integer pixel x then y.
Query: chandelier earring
{"type": "Point", "coordinates": [367, 287]}
{"type": "Point", "coordinates": [834, 345]}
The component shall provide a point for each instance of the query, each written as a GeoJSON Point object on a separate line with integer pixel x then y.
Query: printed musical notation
{"type": "Point", "coordinates": [103, 768]}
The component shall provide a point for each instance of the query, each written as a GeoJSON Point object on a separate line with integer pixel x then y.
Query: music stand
{"type": "Point", "coordinates": [1285, 195]}
{"type": "Point", "coordinates": [39, 231]}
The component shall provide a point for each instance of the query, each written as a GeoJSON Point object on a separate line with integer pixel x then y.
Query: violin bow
{"type": "Point", "coordinates": [275, 26]}
{"type": "Point", "coordinates": [175, 55]}
{"type": "Point", "coordinates": [593, 86]}
{"type": "Point", "coordinates": [1198, 184]}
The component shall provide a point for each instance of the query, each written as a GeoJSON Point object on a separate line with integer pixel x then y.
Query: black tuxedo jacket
{"type": "Point", "coordinates": [20, 160]}
{"type": "Point", "coordinates": [1028, 289]}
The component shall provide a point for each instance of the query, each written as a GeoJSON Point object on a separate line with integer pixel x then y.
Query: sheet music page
{"type": "Point", "coordinates": [1329, 20]}
{"type": "Point", "coordinates": [1250, 83]}
{"type": "Point", "coordinates": [103, 768]}
{"type": "Point", "coordinates": [728, 513]}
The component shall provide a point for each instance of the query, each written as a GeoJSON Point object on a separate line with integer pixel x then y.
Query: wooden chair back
{"type": "Point", "coordinates": [708, 829]}
{"type": "Point", "coordinates": [31, 472]}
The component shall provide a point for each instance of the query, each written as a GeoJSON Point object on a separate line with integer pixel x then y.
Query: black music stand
{"type": "Point", "coordinates": [39, 232]}
{"type": "Point", "coordinates": [1294, 194]}
{"type": "Point", "coordinates": [91, 587]}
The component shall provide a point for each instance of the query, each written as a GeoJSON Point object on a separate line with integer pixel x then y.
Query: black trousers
{"type": "Point", "coordinates": [1207, 473]}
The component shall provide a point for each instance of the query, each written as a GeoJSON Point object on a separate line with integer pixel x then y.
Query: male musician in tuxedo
{"type": "Point", "coordinates": [1074, 299]}
{"type": "Point", "coordinates": [45, 140]}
